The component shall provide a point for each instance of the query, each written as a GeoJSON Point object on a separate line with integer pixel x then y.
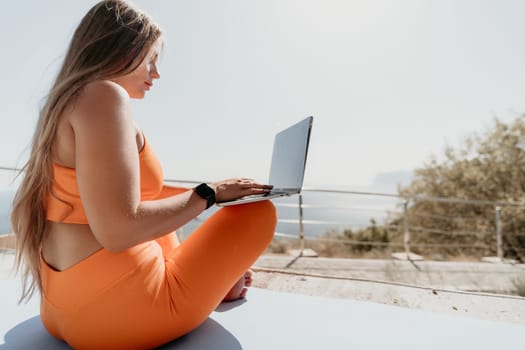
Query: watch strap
{"type": "Point", "coordinates": [206, 192]}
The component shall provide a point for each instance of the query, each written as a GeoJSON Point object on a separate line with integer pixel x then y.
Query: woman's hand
{"type": "Point", "coordinates": [231, 189]}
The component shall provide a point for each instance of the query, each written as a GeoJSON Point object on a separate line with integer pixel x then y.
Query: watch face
{"type": "Point", "coordinates": [205, 191]}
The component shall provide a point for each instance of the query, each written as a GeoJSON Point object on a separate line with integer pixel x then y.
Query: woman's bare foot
{"type": "Point", "coordinates": [240, 289]}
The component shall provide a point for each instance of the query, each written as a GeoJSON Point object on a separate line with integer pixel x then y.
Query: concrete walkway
{"type": "Point", "coordinates": [433, 286]}
{"type": "Point", "coordinates": [465, 276]}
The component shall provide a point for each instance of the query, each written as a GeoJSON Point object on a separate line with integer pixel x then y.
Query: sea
{"type": "Point", "coordinates": [324, 209]}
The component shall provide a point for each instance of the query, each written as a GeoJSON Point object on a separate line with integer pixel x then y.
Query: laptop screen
{"type": "Point", "coordinates": [289, 156]}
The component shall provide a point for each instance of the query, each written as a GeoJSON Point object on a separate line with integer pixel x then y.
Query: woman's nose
{"type": "Point", "coordinates": [154, 72]}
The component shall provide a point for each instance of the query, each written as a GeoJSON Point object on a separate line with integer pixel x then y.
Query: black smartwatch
{"type": "Point", "coordinates": [206, 192]}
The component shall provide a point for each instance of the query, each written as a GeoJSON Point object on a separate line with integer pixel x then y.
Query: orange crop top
{"type": "Point", "coordinates": [65, 205]}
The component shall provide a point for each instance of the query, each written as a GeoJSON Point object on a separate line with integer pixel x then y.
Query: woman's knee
{"type": "Point", "coordinates": [267, 209]}
{"type": "Point", "coordinates": [254, 222]}
{"type": "Point", "coordinates": [265, 219]}
{"type": "Point", "coordinates": [258, 216]}
{"type": "Point", "coordinates": [264, 213]}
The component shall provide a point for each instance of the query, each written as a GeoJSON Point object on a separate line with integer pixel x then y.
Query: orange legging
{"type": "Point", "coordinates": [156, 291]}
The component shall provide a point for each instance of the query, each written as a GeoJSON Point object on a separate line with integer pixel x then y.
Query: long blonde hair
{"type": "Point", "coordinates": [110, 41]}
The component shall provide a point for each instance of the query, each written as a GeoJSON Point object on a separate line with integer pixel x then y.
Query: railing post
{"type": "Point", "coordinates": [406, 232]}
{"type": "Point", "coordinates": [301, 225]}
{"type": "Point", "coordinates": [499, 242]}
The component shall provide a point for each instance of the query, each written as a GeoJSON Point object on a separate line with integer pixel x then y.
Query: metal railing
{"type": "Point", "coordinates": [399, 206]}
{"type": "Point", "coordinates": [409, 231]}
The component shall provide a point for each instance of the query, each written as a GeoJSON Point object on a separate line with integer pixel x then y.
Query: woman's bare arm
{"type": "Point", "coordinates": [108, 174]}
{"type": "Point", "coordinates": [107, 165]}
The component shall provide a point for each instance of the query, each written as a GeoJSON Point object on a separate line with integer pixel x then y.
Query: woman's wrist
{"type": "Point", "coordinates": [206, 192]}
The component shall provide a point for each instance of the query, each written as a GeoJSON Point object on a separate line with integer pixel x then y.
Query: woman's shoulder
{"type": "Point", "coordinates": [100, 96]}
{"type": "Point", "coordinates": [100, 99]}
{"type": "Point", "coordinates": [105, 89]}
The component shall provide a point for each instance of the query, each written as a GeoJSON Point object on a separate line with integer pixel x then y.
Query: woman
{"type": "Point", "coordinates": [94, 223]}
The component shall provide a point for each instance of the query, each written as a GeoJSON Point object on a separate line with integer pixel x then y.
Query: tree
{"type": "Point", "coordinates": [488, 167]}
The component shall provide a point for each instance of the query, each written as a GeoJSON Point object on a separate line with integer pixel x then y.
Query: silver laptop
{"type": "Point", "coordinates": [290, 149]}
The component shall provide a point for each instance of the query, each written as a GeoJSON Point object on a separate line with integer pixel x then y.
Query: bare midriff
{"type": "Point", "coordinates": [64, 245]}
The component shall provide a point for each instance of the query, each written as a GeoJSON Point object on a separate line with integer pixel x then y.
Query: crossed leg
{"type": "Point", "coordinates": [230, 240]}
{"type": "Point", "coordinates": [238, 290]}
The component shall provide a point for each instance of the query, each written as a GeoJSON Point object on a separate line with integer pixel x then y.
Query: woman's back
{"type": "Point", "coordinates": [67, 243]}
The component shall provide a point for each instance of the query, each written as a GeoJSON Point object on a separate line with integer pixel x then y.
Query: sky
{"type": "Point", "coordinates": [389, 83]}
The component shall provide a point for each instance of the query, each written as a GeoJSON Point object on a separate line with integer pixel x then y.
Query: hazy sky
{"type": "Point", "coordinates": [389, 82]}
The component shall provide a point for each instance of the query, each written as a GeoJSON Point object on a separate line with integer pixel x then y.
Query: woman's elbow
{"type": "Point", "coordinates": [113, 238]}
